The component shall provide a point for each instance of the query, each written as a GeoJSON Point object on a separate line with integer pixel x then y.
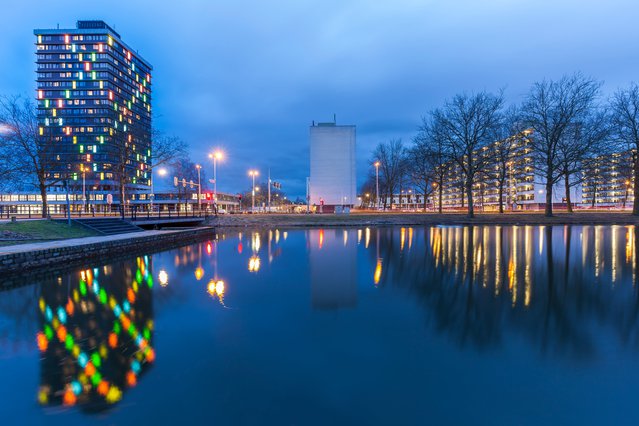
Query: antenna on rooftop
{"type": "Point", "coordinates": [334, 118]}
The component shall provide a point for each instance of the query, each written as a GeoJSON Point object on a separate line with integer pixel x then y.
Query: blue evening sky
{"type": "Point", "coordinates": [250, 76]}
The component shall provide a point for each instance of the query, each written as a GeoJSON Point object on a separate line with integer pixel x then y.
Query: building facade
{"type": "Point", "coordinates": [332, 179]}
{"type": "Point", "coordinates": [94, 111]}
{"type": "Point", "coordinates": [509, 165]}
{"type": "Point", "coordinates": [608, 180]}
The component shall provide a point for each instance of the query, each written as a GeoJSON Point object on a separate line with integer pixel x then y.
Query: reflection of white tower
{"type": "Point", "coordinates": [332, 165]}
{"type": "Point", "coordinates": [333, 261]}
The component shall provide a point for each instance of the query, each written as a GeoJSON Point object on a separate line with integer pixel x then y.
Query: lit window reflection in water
{"type": "Point", "coordinates": [95, 337]}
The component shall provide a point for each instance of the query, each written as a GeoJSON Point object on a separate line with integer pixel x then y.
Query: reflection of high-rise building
{"type": "Point", "coordinates": [332, 165]}
{"type": "Point", "coordinates": [333, 265]}
{"type": "Point", "coordinates": [94, 107]}
{"type": "Point", "coordinates": [96, 334]}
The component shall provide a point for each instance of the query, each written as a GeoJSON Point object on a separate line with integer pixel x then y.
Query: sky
{"type": "Point", "coordinates": [249, 77]}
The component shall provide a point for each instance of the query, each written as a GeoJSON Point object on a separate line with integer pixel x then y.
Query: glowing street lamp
{"type": "Point", "coordinates": [377, 183]}
{"type": "Point", "coordinates": [217, 155]}
{"type": "Point", "coordinates": [162, 172]}
{"type": "Point", "coordinates": [199, 188]}
{"type": "Point", "coordinates": [252, 174]}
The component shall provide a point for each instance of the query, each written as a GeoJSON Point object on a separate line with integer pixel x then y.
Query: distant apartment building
{"type": "Point", "coordinates": [521, 187]}
{"type": "Point", "coordinates": [332, 177]}
{"type": "Point", "coordinates": [609, 180]}
{"type": "Point", "coordinates": [94, 110]}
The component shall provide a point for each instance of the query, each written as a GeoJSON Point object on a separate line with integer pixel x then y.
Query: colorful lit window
{"type": "Point", "coordinates": [66, 39]}
{"type": "Point", "coordinates": [40, 94]}
{"type": "Point", "coordinates": [60, 103]}
{"type": "Point", "coordinates": [46, 103]}
{"type": "Point", "coordinates": [73, 85]}
{"type": "Point", "coordinates": [67, 94]}
{"type": "Point", "coordinates": [41, 130]}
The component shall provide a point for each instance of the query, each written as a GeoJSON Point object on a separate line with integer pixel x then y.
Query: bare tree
{"type": "Point", "coordinates": [551, 109]}
{"type": "Point", "coordinates": [166, 149]}
{"type": "Point", "coordinates": [581, 141]}
{"type": "Point", "coordinates": [431, 147]}
{"type": "Point", "coordinates": [391, 165]}
{"type": "Point", "coordinates": [466, 124]}
{"type": "Point", "coordinates": [511, 135]}
{"type": "Point", "coordinates": [421, 169]}
{"type": "Point", "coordinates": [186, 171]}
{"type": "Point", "coordinates": [25, 155]}
{"type": "Point", "coordinates": [624, 107]}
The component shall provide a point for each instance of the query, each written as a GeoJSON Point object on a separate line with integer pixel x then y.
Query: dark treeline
{"type": "Point", "coordinates": [570, 127]}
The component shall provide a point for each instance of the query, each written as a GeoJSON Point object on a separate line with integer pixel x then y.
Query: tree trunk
{"type": "Point", "coordinates": [43, 194]}
{"type": "Point", "coordinates": [568, 202]}
{"type": "Point", "coordinates": [501, 198]}
{"type": "Point", "coordinates": [441, 192]}
{"type": "Point", "coordinates": [594, 196]}
{"type": "Point", "coordinates": [548, 210]}
{"type": "Point", "coordinates": [469, 194]}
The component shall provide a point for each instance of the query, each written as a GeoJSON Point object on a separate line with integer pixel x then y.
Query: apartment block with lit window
{"type": "Point", "coordinates": [608, 180]}
{"type": "Point", "coordinates": [94, 110]}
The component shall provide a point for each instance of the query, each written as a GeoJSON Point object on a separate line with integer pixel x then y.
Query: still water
{"type": "Point", "coordinates": [438, 325]}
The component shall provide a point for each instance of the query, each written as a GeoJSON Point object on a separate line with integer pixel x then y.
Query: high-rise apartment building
{"type": "Point", "coordinates": [94, 110]}
{"type": "Point", "coordinates": [332, 180]}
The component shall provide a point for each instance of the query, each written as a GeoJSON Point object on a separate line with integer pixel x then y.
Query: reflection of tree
{"type": "Point", "coordinates": [557, 287]}
{"type": "Point", "coordinates": [95, 335]}
{"type": "Point", "coordinates": [17, 323]}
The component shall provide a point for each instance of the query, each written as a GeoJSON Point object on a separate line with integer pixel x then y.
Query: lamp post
{"type": "Point", "coordinates": [253, 173]}
{"type": "Point", "coordinates": [217, 155]}
{"type": "Point", "coordinates": [377, 183]}
{"type": "Point", "coordinates": [161, 172]}
{"type": "Point", "coordinates": [84, 196]}
{"type": "Point", "coordinates": [199, 189]}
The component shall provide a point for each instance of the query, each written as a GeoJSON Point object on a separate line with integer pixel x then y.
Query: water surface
{"type": "Point", "coordinates": [436, 325]}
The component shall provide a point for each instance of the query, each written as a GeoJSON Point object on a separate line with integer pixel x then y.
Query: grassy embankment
{"type": "Point", "coordinates": [29, 231]}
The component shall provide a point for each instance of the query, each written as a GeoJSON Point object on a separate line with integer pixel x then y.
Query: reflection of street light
{"type": "Point", "coordinates": [253, 173]}
{"type": "Point", "coordinates": [216, 288]}
{"type": "Point", "coordinates": [163, 277]}
{"type": "Point", "coordinates": [199, 273]}
{"type": "Point", "coordinates": [254, 263]}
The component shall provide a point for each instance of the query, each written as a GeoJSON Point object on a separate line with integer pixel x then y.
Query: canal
{"type": "Point", "coordinates": [423, 325]}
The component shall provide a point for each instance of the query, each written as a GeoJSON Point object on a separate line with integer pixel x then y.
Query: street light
{"type": "Point", "coordinates": [199, 188]}
{"type": "Point", "coordinates": [161, 172]}
{"type": "Point", "coordinates": [217, 155]}
{"type": "Point", "coordinates": [377, 183]}
{"type": "Point", "coordinates": [253, 173]}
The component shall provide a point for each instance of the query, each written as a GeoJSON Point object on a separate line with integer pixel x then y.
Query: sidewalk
{"type": "Point", "coordinates": [75, 242]}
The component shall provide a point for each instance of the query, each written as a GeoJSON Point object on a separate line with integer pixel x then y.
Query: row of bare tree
{"type": "Point", "coordinates": [27, 160]}
{"type": "Point", "coordinates": [567, 122]}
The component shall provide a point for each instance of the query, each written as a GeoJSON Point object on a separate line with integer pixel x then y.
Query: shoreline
{"type": "Point", "coordinates": [419, 219]}
{"type": "Point", "coordinates": [21, 263]}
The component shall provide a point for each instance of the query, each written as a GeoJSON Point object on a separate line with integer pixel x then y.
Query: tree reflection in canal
{"type": "Point", "coordinates": [557, 286]}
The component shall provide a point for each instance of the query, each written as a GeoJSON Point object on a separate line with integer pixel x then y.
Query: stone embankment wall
{"type": "Point", "coordinates": [54, 259]}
